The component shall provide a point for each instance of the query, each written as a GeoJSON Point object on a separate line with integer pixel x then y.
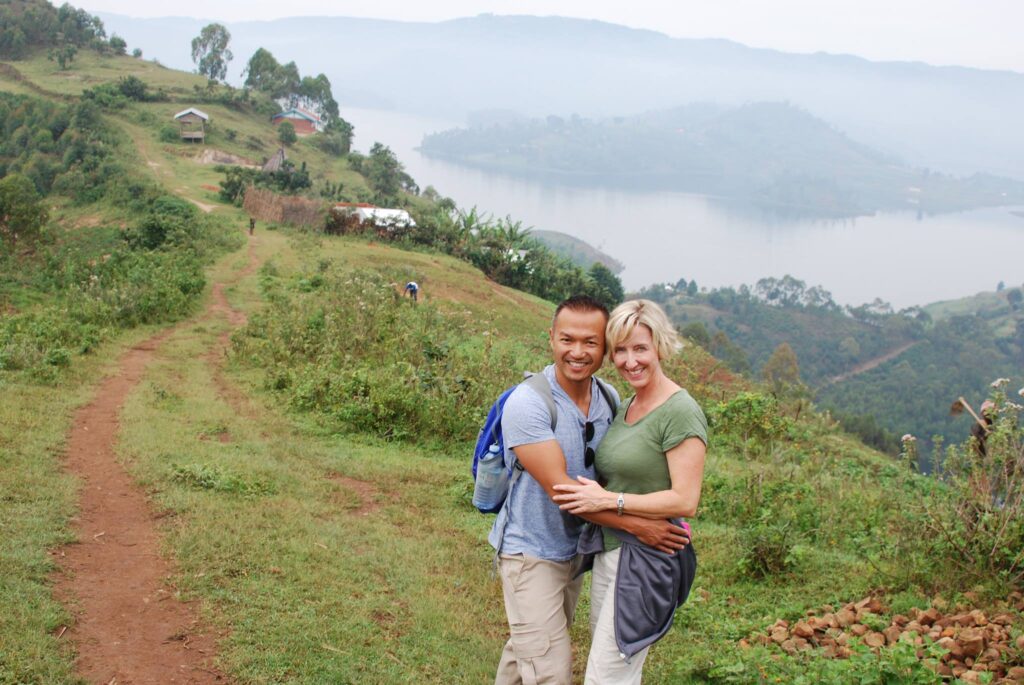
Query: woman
{"type": "Point", "coordinates": [651, 461]}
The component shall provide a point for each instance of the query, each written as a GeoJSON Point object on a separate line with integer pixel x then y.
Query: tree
{"type": "Point", "coordinates": [1014, 297]}
{"type": "Point", "coordinates": [210, 51]}
{"type": "Point", "coordinates": [286, 133]}
{"type": "Point", "coordinates": [781, 370]}
{"type": "Point", "coordinates": [263, 72]}
{"type": "Point", "coordinates": [610, 291]}
{"type": "Point", "coordinates": [118, 44]}
{"type": "Point", "coordinates": [64, 54]}
{"type": "Point", "coordinates": [383, 170]}
{"type": "Point", "coordinates": [22, 213]}
{"type": "Point", "coordinates": [137, 53]}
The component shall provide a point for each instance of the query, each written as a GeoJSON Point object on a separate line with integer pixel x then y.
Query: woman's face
{"type": "Point", "coordinates": [636, 358]}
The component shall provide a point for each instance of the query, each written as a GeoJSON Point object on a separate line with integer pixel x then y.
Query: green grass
{"type": "Point", "coordinates": [326, 558]}
{"type": "Point", "coordinates": [37, 499]}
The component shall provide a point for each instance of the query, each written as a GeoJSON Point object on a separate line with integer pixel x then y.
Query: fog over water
{"type": "Point", "coordinates": [901, 257]}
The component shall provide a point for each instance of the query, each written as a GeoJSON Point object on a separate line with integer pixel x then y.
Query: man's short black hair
{"type": "Point", "coordinates": [580, 303]}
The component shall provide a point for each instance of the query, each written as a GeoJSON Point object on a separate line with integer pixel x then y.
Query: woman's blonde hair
{"type": "Point", "coordinates": [628, 315]}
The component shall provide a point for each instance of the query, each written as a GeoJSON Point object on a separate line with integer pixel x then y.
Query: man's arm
{"type": "Point", "coordinates": [546, 463]}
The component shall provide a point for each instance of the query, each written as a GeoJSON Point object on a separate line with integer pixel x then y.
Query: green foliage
{"type": "Point", "coordinates": [27, 24]}
{"type": "Point", "coordinates": [118, 44]}
{"type": "Point", "coordinates": [752, 419]}
{"type": "Point", "coordinates": [218, 479]}
{"type": "Point", "coordinates": [210, 51]}
{"type": "Point", "coordinates": [286, 133]}
{"type": "Point", "coordinates": [972, 527]}
{"type": "Point", "coordinates": [610, 290]}
{"type": "Point", "coordinates": [169, 134]}
{"type": "Point", "coordinates": [385, 174]}
{"type": "Point", "coordinates": [22, 212]}
{"type": "Point", "coordinates": [896, 664]}
{"type": "Point", "coordinates": [63, 147]}
{"type": "Point", "coordinates": [287, 179]}
{"type": "Point", "coordinates": [343, 345]}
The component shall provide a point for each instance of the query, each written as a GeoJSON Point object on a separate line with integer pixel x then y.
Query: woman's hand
{"type": "Point", "coordinates": [586, 498]}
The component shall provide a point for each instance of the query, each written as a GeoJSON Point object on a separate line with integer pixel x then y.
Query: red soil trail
{"type": "Point", "coordinates": [129, 627]}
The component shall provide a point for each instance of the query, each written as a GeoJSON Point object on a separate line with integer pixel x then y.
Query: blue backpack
{"type": "Point", "coordinates": [490, 438]}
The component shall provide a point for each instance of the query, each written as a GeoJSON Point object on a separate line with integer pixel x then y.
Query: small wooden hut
{"type": "Point", "coordinates": [192, 124]}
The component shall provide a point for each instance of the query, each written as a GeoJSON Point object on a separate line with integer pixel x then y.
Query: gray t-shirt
{"type": "Point", "coordinates": [536, 526]}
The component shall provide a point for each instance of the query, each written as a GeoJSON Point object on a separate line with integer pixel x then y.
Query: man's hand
{"type": "Point", "coordinates": [661, 535]}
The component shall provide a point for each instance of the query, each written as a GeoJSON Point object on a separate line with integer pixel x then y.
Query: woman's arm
{"type": "Point", "coordinates": [686, 470]}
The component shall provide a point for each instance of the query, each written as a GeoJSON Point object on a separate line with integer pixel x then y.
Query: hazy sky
{"type": "Point", "coordinates": [978, 33]}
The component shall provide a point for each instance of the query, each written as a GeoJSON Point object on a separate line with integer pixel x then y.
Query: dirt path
{"type": "Point", "coordinates": [871, 363]}
{"type": "Point", "coordinates": [129, 626]}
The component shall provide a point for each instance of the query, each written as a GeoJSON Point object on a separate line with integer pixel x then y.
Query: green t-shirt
{"type": "Point", "coordinates": [631, 457]}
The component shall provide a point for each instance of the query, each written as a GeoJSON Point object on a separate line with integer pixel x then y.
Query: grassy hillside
{"type": "Point", "coordinates": [312, 480]}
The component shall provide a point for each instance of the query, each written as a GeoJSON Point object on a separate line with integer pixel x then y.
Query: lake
{"type": "Point", "coordinates": [901, 257]}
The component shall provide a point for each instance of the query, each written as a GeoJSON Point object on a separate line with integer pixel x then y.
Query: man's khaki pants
{"type": "Point", "coordinates": [540, 601]}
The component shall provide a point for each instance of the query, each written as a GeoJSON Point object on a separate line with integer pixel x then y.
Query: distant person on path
{"type": "Point", "coordinates": [652, 461]}
{"type": "Point", "coordinates": [412, 288]}
{"type": "Point", "coordinates": [252, 225]}
{"type": "Point", "coordinates": [535, 543]}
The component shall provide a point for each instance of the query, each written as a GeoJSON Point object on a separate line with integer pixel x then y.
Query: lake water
{"type": "Point", "coordinates": [901, 257]}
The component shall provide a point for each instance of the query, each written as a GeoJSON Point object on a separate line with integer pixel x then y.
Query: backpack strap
{"type": "Point", "coordinates": [540, 384]}
{"type": "Point", "coordinates": [609, 396]}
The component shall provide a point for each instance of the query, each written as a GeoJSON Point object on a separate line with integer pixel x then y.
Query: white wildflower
{"type": "Point", "coordinates": [1021, 392]}
{"type": "Point", "coordinates": [908, 438]}
{"type": "Point", "coordinates": [999, 382]}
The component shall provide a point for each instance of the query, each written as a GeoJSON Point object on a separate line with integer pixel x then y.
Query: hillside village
{"type": "Point", "coordinates": [217, 397]}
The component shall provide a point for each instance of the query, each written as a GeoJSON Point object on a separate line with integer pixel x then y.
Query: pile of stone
{"type": "Point", "coordinates": [975, 642]}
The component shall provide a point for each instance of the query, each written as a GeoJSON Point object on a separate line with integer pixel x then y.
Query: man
{"type": "Point", "coordinates": [412, 288]}
{"type": "Point", "coordinates": [534, 539]}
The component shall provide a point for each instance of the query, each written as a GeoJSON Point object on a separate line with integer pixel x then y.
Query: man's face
{"type": "Point", "coordinates": [577, 344]}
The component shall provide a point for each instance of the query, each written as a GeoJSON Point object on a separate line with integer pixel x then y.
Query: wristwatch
{"type": "Point", "coordinates": [620, 502]}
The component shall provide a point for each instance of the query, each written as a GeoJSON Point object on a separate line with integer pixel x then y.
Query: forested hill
{"type": "Point", "coordinates": [883, 373]}
{"type": "Point", "coordinates": [770, 154]}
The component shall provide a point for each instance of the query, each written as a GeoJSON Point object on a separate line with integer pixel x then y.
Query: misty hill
{"type": "Point", "coordinates": [770, 154]}
{"type": "Point", "coordinates": [883, 373]}
{"type": "Point", "coordinates": [957, 120]}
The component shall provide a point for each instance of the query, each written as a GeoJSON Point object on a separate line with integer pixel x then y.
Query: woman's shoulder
{"type": "Point", "coordinates": [682, 402]}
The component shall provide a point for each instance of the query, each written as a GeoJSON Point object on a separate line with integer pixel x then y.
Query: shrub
{"type": "Point", "coordinates": [971, 524]}
{"type": "Point", "coordinates": [169, 134]}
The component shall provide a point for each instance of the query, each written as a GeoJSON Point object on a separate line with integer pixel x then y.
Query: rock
{"type": "Point", "coordinates": [842, 639]}
{"type": "Point", "coordinates": [989, 655]}
{"type": "Point", "coordinates": [943, 669]}
{"type": "Point", "coordinates": [779, 635]}
{"type": "Point", "coordinates": [972, 677]}
{"type": "Point", "coordinates": [874, 640]}
{"type": "Point", "coordinates": [1003, 619]}
{"type": "Point", "coordinates": [979, 618]}
{"type": "Point", "coordinates": [928, 617]}
{"type": "Point", "coordinates": [972, 641]}
{"type": "Point", "coordinates": [900, 620]}
{"type": "Point", "coordinates": [963, 620]}
{"type": "Point", "coordinates": [789, 647]}
{"type": "Point", "coordinates": [892, 634]}
{"type": "Point", "coordinates": [802, 645]}
{"type": "Point", "coordinates": [781, 623]}
{"type": "Point", "coordinates": [1016, 674]}
{"type": "Point", "coordinates": [914, 626]}
{"type": "Point", "coordinates": [1020, 643]}
{"type": "Point", "coordinates": [845, 617]}
{"type": "Point", "coordinates": [858, 629]}
{"type": "Point", "coordinates": [951, 646]}
{"type": "Point", "coordinates": [803, 629]}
